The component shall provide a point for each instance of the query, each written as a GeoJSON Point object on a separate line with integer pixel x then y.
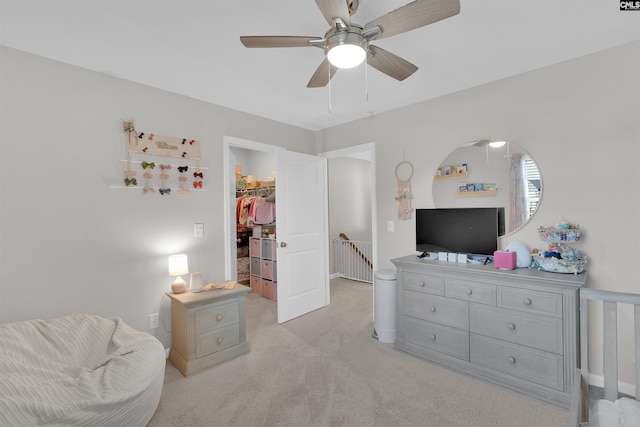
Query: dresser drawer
{"type": "Point", "coordinates": [216, 316]}
{"type": "Point", "coordinates": [216, 340]}
{"type": "Point", "coordinates": [537, 366]}
{"type": "Point", "coordinates": [423, 283]}
{"type": "Point", "coordinates": [531, 301]}
{"type": "Point", "coordinates": [450, 341]}
{"type": "Point", "coordinates": [446, 311]}
{"type": "Point", "coordinates": [483, 293]}
{"type": "Point", "coordinates": [531, 330]}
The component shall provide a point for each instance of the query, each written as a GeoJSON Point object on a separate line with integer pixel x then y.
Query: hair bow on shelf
{"type": "Point", "coordinates": [164, 191]}
{"type": "Point", "coordinates": [146, 165]}
{"type": "Point", "coordinates": [197, 184]}
{"type": "Point", "coordinates": [197, 174]}
{"type": "Point", "coordinates": [183, 168]}
{"type": "Point", "coordinates": [163, 167]}
{"type": "Point", "coordinates": [130, 181]}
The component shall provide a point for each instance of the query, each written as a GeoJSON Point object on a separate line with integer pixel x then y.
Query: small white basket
{"type": "Point", "coordinates": [554, 265]}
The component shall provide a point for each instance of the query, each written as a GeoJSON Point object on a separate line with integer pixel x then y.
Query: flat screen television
{"type": "Point", "coordinates": [471, 231]}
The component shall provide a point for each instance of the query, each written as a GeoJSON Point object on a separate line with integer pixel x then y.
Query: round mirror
{"type": "Point", "coordinates": [490, 173]}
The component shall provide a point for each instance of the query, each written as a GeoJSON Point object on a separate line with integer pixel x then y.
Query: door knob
{"type": "Point", "coordinates": [283, 244]}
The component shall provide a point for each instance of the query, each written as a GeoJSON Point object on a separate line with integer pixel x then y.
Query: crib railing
{"type": "Point", "coordinates": [351, 259]}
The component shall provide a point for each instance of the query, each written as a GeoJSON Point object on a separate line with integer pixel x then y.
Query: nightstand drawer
{"type": "Point", "coordinates": [423, 283]}
{"type": "Point", "coordinates": [531, 301]}
{"type": "Point", "coordinates": [541, 332]}
{"type": "Point", "coordinates": [216, 316]}
{"type": "Point", "coordinates": [483, 293]}
{"type": "Point", "coordinates": [434, 308]}
{"type": "Point", "coordinates": [537, 366]}
{"type": "Point", "coordinates": [443, 339]}
{"type": "Point", "coordinates": [217, 340]}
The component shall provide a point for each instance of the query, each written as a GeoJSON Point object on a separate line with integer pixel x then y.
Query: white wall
{"type": "Point", "coordinates": [68, 242]}
{"type": "Point", "coordinates": [579, 120]}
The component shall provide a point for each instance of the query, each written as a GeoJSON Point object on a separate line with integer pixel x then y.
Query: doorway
{"type": "Point", "coordinates": [299, 287]}
{"type": "Point", "coordinates": [352, 196]}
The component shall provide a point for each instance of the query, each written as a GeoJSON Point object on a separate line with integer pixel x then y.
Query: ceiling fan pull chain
{"type": "Point", "coordinates": [366, 80]}
{"type": "Point", "coordinates": [329, 71]}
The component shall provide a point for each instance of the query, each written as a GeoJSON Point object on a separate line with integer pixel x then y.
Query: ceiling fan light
{"type": "Point", "coordinates": [346, 55]}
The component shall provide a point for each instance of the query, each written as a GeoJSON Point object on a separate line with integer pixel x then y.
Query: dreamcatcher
{"type": "Point", "coordinates": [404, 172]}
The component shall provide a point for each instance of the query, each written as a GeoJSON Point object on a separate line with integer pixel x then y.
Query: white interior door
{"type": "Point", "coordinates": [302, 234]}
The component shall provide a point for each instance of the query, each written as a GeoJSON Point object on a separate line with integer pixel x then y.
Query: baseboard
{"type": "Point", "coordinates": [335, 276]}
{"type": "Point", "coordinates": [598, 381]}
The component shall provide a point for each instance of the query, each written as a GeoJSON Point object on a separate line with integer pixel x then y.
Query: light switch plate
{"type": "Point", "coordinates": [198, 229]}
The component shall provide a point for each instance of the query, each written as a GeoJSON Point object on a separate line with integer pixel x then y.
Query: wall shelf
{"type": "Point", "coordinates": [452, 176]}
{"type": "Point", "coordinates": [487, 193]}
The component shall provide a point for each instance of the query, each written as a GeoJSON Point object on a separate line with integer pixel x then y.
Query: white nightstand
{"type": "Point", "coordinates": [208, 328]}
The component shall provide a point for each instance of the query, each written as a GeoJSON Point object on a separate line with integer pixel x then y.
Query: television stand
{"type": "Point", "coordinates": [514, 328]}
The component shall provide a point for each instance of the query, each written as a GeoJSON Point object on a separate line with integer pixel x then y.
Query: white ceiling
{"type": "Point", "coordinates": [192, 47]}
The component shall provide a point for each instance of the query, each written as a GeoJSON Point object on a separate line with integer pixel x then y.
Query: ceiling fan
{"type": "Point", "coordinates": [347, 44]}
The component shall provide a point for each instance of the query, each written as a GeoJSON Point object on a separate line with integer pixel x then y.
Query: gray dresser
{"type": "Point", "coordinates": [515, 328]}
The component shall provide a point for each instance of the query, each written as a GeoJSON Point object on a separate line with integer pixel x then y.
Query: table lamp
{"type": "Point", "coordinates": [178, 265]}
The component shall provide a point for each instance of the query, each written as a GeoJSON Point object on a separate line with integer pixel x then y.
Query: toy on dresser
{"type": "Point", "coordinates": [558, 257]}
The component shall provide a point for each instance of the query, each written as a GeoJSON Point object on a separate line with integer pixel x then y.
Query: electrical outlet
{"type": "Point", "coordinates": [198, 229]}
{"type": "Point", "coordinates": [154, 321]}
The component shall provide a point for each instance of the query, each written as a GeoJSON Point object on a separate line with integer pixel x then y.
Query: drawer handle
{"type": "Point", "coordinates": [433, 337]}
{"type": "Point", "coordinates": [511, 360]}
{"type": "Point", "coordinates": [433, 309]}
{"type": "Point", "coordinates": [511, 326]}
{"type": "Point", "coordinates": [220, 340]}
{"type": "Point", "coordinates": [219, 317]}
{"type": "Point", "coordinates": [526, 301]}
{"type": "Point", "coordinates": [421, 284]}
{"type": "Point", "coordinates": [469, 291]}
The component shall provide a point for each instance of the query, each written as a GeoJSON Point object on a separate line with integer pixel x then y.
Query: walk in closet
{"type": "Point", "coordinates": [256, 221]}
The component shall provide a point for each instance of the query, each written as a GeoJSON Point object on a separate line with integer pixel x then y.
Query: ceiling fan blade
{"type": "Point", "coordinates": [277, 41]}
{"type": "Point", "coordinates": [414, 15]}
{"type": "Point", "coordinates": [390, 64]}
{"type": "Point", "coordinates": [334, 9]}
{"type": "Point", "coordinates": [321, 77]}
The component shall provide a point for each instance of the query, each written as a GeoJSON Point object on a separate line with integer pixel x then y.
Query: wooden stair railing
{"type": "Point", "coordinates": [355, 248]}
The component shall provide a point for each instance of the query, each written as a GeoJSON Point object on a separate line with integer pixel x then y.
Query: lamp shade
{"type": "Point", "coordinates": [178, 265]}
{"type": "Point", "coordinates": [346, 49]}
{"type": "Point", "coordinates": [346, 56]}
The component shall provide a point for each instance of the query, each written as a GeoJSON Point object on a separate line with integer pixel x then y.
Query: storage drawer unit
{"type": "Point", "coordinates": [263, 267]}
{"type": "Point", "coordinates": [515, 328]}
{"type": "Point", "coordinates": [207, 328]}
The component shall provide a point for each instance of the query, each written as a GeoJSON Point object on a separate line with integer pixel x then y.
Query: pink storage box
{"type": "Point", "coordinates": [504, 260]}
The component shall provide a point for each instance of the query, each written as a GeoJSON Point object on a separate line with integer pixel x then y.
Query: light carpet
{"type": "Point", "coordinates": [325, 369]}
